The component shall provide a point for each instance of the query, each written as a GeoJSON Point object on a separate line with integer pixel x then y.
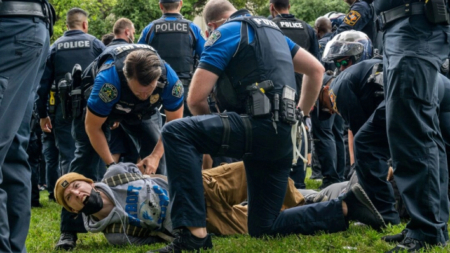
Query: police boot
{"type": "Point", "coordinates": [67, 241]}
{"type": "Point", "coordinates": [361, 209]}
{"type": "Point", "coordinates": [395, 238]}
{"type": "Point", "coordinates": [409, 245]}
{"type": "Point", "coordinates": [186, 241]}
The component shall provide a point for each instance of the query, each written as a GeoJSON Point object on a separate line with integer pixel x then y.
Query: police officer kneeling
{"type": "Point", "coordinates": [131, 84]}
{"type": "Point", "coordinates": [261, 73]}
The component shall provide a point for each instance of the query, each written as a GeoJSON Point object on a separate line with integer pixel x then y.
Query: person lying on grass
{"type": "Point", "coordinates": [126, 198]}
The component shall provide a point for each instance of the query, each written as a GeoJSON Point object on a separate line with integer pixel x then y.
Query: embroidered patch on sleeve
{"type": "Point", "coordinates": [333, 101]}
{"type": "Point", "coordinates": [108, 93]}
{"type": "Point", "coordinates": [178, 90]}
{"type": "Point", "coordinates": [213, 38]}
{"type": "Point", "coordinates": [352, 17]}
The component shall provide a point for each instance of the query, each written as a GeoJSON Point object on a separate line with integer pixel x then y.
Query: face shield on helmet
{"type": "Point", "coordinates": [349, 44]}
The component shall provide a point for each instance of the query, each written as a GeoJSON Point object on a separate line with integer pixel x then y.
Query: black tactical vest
{"type": "Point", "coordinates": [71, 50]}
{"type": "Point", "coordinates": [175, 42]}
{"type": "Point", "coordinates": [294, 29]}
{"type": "Point", "coordinates": [267, 57]}
{"type": "Point", "coordinates": [129, 108]}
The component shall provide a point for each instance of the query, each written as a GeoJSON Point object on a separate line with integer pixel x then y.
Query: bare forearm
{"type": "Point", "coordinates": [100, 144]}
{"type": "Point", "coordinates": [158, 151]}
{"type": "Point", "coordinates": [200, 108]}
{"type": "Point", "coordinates": [310, 91]}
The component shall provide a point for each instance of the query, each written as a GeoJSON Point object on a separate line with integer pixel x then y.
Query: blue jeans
{"type": "Point", "coordinates": [267, 170]}
{"type": "Point", "coordinates": [411, 66]}
{"type": "Point", "coordinates": [23, 48]}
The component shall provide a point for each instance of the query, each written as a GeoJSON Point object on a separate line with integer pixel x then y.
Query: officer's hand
{"type": "Point", "coordinates": [307, 123]}
{"type": "Point", "coordinates": [46, 124]}
{"type": "Point", "coordinates": [115, 125]}
{"type": "Point", "coordinates": [149, 165]}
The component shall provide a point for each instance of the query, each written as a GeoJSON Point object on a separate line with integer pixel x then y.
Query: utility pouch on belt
{"type": "Point", "coordinates": [52, 100]}
{"type": "Point", "coordinates": [258, 104]}
{"type": "Point", "coordinates": [288, 105]}
{"type": "Point", "coordinates": [64, 88]}
{"type": "Point", "coordinates": [436, 12]}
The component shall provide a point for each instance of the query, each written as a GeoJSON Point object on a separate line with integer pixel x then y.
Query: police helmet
{"type": "Point", "coordinates": [336, 19]}
{"type": "Point", "coordinates": [354, 44]}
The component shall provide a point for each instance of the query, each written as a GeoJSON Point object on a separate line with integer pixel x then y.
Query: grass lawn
{"type": "Point", "coordinates": [45, 221]}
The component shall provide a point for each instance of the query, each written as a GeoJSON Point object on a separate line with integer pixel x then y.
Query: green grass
{"type": "Point", "coordinates": [45, 221]}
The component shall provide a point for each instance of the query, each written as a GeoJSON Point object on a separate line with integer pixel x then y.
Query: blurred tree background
{"type": "Point", "coordinates": [103, 13]}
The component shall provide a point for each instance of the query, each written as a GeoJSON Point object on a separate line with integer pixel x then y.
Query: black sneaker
{"type": "Point", "coordinates": [361, 209]}
{"type": "Point", "coordinates": [186, 241]}
{"type": "Point", "coordinates": [409, 245]}
{"type": "Point", "coordinates": [395, 238]}
{"type": "Point", "coordinates": [67, 241]}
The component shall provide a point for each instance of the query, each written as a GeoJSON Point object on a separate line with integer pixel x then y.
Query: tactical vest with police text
{"type": "Point", "coordinates": [175, 42]}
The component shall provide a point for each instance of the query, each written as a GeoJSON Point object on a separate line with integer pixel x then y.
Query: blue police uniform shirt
{"type": "Point", "coordinates": [352, 96]}
{"type": "Point", "coordinates": [110, 75]}
{"type": "Point", "coordinates": [49, 76]}
{"type": "Point", "coordinates": [322, 43]}
{"type": "Point", "coordinates": [216, 58]}
{"type": "Point", "coordinates": [359, 16]}
{"type": "Point", "coordinates": [173, 17]}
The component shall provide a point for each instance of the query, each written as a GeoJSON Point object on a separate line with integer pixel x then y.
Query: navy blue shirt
{"type": "Point", "coordinates": [322, 44]}
{"type": "Point", "coordinates": [48, 77]}
{"type": "Point", "coordinates": [220, 49]}
{"type": "Point", "coordinates": [352, 96]}
{"type": "Point", "coordinates": [97, 106]}
{"type": "Point", "coordinates": [359, 18]}
{"type": "Point", "coordinates": [173, 17]}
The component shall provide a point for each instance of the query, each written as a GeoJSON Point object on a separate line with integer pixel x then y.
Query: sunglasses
{"type": "Point", "coordinates": [343, 63]}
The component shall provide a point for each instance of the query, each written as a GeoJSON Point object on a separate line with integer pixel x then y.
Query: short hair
{"type": "Point", "coordinates": [142, 65]}
{"type": "Point", "coordinates": [170, 6]}
{"type": "Point", "coordinates": [280, 4]}
{"type": "Point", "coordinates": [122, 24]}
{"type": "Point", "coordinates": [75, 17]}
{"type": "Point", "coordinates": [107, 38]}
{"type": "Point", "coordinates": [214, 9]}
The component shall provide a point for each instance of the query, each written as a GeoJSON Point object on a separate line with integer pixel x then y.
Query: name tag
{"type": "Point", "coordinates": [74, 44]}
{"type": "Point", "coordinates": [294, 25]}
{"type": "Point", "coordinates": [169, 27]}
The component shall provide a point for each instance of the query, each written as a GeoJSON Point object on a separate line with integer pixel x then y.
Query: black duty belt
{"type": "Point", "coordinates": [17, 8]}
{"type": "Point", "coordinates": [401, 11]}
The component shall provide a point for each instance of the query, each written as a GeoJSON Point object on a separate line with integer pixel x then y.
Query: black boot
{"type": "Point", "coordinates": [67, 241]}
{"type": "Point", "coordinates": [186, 241]}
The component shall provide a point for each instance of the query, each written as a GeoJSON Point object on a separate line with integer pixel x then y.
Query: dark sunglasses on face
{"type": "Point", "coordinates": [343, 63]}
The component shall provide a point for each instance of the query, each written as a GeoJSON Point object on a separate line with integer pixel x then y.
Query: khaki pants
{"type": "Point", "coordinates": [225, 188]}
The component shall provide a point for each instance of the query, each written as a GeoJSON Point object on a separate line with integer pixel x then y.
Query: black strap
{"type": "Point", "coordinates": [248, 135]}
{"type": "Point", "coordinates": [401, 11]}
{"type": "Point", "coordinates": [226, 134]}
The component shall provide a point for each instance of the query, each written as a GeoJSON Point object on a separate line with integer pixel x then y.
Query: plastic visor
{"type": "Point", "coordinates": [338, 49]}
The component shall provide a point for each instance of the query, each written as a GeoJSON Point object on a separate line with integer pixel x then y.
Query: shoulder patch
{"type": "Point", "coordinates": [333, 100]}
{"type": "Point", "coordinates": [213, 38]}
{"type": "Point", "coordinates": [178, 89]}
{"type": "Point", "coordinates": [108, 93]}
{"type": "Point", "coordinates": [352, 17]}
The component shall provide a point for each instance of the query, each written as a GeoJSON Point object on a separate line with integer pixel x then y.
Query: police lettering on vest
{"type": "Point", "coordinates": [295, 25]}
{"type": "Point", "coordinates": [265, 22]}
{"type": "Point", "coordinates": [74, 44]}
{"type": "Point", "coordinates": [171, 27]}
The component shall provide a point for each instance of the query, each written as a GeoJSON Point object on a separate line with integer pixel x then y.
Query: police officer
{"type": "Point", "coordinates": [178, 41]}
{"type": "Point", "coordinates": [361, 17]}
{"type": "Point", "coordinates": [323, 29]}
{"type": "Point", "coordinates": [355, 94]}
{"type": "Point", "coordinates": [74, 47]}
{"type": "Point", "coordinates": [415, 45]}
{"type": "Point", "coordinates": [303, 35]}
{"type": "Point", "coordinates": [24, 41]}
{"type": "Point", "coordinates": [260, 70]}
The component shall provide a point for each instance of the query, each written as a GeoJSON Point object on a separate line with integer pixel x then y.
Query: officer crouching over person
{"type": "Point", "coordinates": [178, 41]}
{"type": "Point", "coordinates": [261, 74]}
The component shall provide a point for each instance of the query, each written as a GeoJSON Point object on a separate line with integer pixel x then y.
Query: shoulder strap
{"type": "Point", "coordinates": [122, 179]}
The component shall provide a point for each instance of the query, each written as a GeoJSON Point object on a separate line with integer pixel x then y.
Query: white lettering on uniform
{"type": "Point", "coordinates": [74, 44]}
{"type": "Point", "coordinates": [171, 27]}
{"type": "Point", "coordinates": [291, 25]}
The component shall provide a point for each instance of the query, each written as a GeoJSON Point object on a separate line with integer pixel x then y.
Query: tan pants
{"type": "Point", "coordinates": [225, 188]}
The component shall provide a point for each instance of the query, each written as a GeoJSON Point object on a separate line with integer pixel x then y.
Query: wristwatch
{"type": "Point", "coordinates": [108, 165]}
